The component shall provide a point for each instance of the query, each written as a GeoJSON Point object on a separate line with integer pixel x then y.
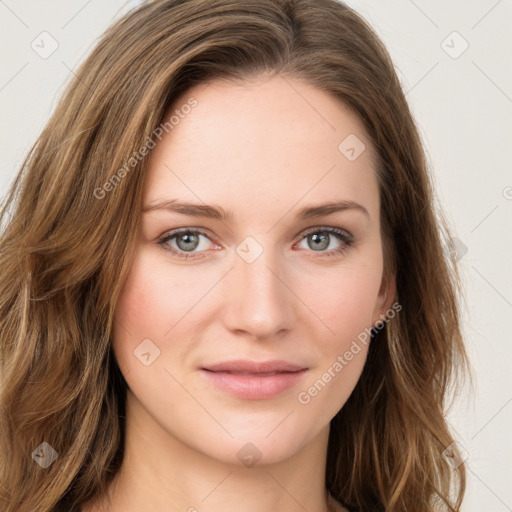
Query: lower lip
{"type": "Point", "coordinates": [254, 387]}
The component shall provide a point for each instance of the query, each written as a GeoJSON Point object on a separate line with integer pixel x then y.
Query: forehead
{"type": "Point", "coordinates": [261, 144]}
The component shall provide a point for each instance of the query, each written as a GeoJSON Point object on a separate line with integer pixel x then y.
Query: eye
{"type": "Point", "coordinates": [187, 243]}
{"type": "Point", "coordinates": [319, 239]}
{"type": "Point", "coordinates": [184, 242]}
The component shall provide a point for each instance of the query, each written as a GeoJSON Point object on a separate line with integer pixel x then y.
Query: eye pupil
{"type": "Point", "coordinates": [189, 238]}
{"type": "Point", "coordinates": [323, 239]}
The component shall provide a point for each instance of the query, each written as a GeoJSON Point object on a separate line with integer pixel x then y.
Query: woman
{"type": "Point", "coordinates": [223, 279]}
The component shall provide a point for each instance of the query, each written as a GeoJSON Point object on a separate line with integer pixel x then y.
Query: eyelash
{"type": "Point", "coordinates": [341, 234]}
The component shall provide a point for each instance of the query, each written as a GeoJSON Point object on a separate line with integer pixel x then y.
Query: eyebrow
{"type": "Point", "coordinates": [218, 213]}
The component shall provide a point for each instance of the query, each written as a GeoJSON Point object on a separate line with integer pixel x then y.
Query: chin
{"type": "Point", "coordinates": [252, 446]}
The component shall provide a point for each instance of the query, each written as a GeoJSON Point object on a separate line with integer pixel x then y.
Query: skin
{"type": "Point", "coordinates": [261, 150]}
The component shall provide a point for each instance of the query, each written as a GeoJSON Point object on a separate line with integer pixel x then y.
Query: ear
{"type": "Point", "coordinates": [385, 299]}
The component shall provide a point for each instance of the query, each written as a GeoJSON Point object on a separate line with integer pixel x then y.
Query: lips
{"type": "Point", "coordinates": [246, 367]}
{"type": "Point", "coordinates": [254, 380]}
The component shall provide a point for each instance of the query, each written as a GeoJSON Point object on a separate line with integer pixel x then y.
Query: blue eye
{"type": "Point", "coordinates": [185, 242]}
{"type": "Point", "coordinates": [319, 239]}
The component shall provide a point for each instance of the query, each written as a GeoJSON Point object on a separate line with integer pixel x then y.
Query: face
{"type": "Point", "coordinates": [253, 270]}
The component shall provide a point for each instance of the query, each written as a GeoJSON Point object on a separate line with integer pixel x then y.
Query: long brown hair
{"type": "Point", "coordinates": [70, 224]}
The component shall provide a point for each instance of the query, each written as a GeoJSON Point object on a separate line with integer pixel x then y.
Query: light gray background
{"type": "Point", "coordinates": [463, 107]}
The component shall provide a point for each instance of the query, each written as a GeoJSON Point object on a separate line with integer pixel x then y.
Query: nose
{"type": "Point", "coordinates": [259, 298]}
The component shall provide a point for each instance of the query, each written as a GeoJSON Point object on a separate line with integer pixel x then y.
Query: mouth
{"type": "Point", "coordinates": [254, 367]}
{"type": "Point", "coordinates": [249, 374]}
{"type": "Point", "coordinates": [254, 381]}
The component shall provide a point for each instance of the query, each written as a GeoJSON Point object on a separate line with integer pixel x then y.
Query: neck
{"type": "Point", "coordinates": [160, 472]}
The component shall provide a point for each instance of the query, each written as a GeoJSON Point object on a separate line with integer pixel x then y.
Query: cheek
{"type": "Point", "coordinates": [144, 309]}
{"type": "Point", "coordinates": [152, 297]}
{"type": "Point", "coordinates": [346, 311]}
{"type": "Point", "coordinates": [339, 367]}
{"type": "Point", "coordinates": [137, 308]}
{"type": "Point", "coordinates": [345, 301]}
{"type": "Point", "coordinates": [156, 301]}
